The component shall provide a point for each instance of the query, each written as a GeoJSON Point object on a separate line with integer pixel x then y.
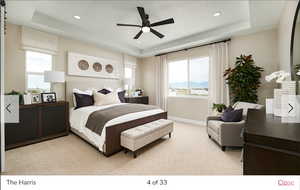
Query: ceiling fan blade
{"type": "Point", "coordinates": [138, 35]}
{"type": "Point", "coordinates": [156, 33]}
{"type": "Point", "coordinates": [163, 22]}
{"type": "Point", "coordinates": [142, 14]}
{"type": "Point", "coordinates": [134, 25]}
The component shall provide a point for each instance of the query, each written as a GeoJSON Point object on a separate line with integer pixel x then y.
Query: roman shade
{"type": "Point", "coordinates": [34, 40]}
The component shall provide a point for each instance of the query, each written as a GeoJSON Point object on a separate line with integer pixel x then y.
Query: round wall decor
{"type": "Point", "coordinates": [83, 65]}
{"type": "Point", "coordinates": [109, 68]}
{"type": "Point", "coordinates": [97, 67]}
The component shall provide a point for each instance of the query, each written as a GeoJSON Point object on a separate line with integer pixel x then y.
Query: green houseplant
{"type": "Point", "coordinates": [244, 79]}
{"type": "Point", "coordinates": [219, 107]}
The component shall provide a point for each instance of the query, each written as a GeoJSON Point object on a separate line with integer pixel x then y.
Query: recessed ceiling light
{"type": "Point", "coordinates": [217, 14]}
{"type": "Point", "coordinates": [77, 17]}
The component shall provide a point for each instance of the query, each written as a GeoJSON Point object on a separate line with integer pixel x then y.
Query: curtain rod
{"type": "Point", "coordinates": [185, 49]}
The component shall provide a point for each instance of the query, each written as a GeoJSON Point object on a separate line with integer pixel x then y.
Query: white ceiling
{"type": "Point", "coordinates": [194, 21]}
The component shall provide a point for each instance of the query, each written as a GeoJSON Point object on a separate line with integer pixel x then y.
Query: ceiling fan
{"type": "Point", "coordinates": [146, 25]}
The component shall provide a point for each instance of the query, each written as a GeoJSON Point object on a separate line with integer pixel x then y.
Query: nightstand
{"type": "Point", "coordinates": [137, 100]}
{"type": "Point", "coordinates": [38, 122]}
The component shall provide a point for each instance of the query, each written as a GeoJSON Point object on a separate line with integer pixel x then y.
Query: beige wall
{"type": "Point", "coordinates": [147, 69]}
{"type": "Point", "coordinates": [188, 108]}
{"type": "Point", "coordinates": [262, 45]}
{"type": "Point", "coordinates": [15, 60]}
{"type": "Point", "coordinates": [284, 34]}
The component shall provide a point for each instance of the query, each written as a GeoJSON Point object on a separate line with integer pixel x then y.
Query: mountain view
{"type": "Point", "coordinates": [192, 84]}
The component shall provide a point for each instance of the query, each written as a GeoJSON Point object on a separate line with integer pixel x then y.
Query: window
{"type": "Point", "coordinates": [129, 76]}
{"type": "Point", "coordinates": [189, 77]}
{"type": "Point", "coordinates": [128, 72]}
{"type": "Point", "coordinates": [36, 64]}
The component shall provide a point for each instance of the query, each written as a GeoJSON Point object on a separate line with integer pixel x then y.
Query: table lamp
{"type": "Point", "coordinates": [54, 77]}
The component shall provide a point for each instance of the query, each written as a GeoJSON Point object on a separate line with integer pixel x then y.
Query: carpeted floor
{"type": "Point", "coordinates": [188, 152]}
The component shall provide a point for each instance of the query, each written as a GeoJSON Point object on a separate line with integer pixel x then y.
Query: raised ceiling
{"type": "Point", "coordinates": [194, 21]}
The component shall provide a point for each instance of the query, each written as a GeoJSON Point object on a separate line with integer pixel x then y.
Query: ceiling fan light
{"type": "Point", "coordinates": [216, 14]}
{"type": "Point", "coordinates": [145, 29]}
{"type": "Point", "coordinates": [77, 17]}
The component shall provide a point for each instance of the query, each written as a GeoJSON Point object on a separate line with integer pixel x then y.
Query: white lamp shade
{"type": "Point", "coordinates": [54, 76]}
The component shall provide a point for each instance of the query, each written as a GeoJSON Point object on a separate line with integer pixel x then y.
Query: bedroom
{"type": "Point", "coordinates": [136, 100]}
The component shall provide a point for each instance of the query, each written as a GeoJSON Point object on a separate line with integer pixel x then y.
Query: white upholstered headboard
{"type": "Point", "coordinates": [85, 85]}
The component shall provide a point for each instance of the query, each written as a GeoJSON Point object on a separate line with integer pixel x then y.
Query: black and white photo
{"type": "Point", "coordinates": [48, 97]}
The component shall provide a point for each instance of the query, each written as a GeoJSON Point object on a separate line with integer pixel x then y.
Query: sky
{"type": "Point", "coordinates": [199, 70]}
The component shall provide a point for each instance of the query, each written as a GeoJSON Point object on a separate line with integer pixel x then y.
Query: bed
{"type": "Point", "coordinates": [108, 141]}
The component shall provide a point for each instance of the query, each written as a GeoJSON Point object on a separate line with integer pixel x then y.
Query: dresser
{"type": "Point", "coordinates": [38, 122]}
{"type": "Point", "coordinates": [137, 100]}
{"type": "Point", "coordinates": [271, 147]}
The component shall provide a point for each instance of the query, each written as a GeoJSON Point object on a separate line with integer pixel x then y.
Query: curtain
{"type": "Point", "coordinates": [219, 62]}
{"type": "Point", "coordinates": [161, 83]}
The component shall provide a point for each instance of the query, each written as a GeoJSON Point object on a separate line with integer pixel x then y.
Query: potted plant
{"type": "Point", "coordinates": [244, 80]}
{"type": "Point", "coordinates": [219, 107]}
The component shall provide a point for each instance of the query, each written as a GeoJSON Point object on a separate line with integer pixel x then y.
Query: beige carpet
{"type": "Point", "coordinates": [188, 152]}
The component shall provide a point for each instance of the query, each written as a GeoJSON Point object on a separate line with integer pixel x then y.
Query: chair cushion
{"type": "Point", "coordinates": [232, 115]}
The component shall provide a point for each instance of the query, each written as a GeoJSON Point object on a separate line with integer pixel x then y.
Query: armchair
{"type": "Point", "coordinates": [229, 133]}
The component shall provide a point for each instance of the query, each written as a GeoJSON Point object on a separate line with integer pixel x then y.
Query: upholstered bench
{"type": "Point", "coordinates": [136, 138]}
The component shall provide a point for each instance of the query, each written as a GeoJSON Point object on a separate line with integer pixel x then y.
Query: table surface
{"type": "Point", "coordinates": [262, 124]}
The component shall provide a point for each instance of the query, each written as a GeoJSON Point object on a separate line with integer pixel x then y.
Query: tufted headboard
{"type": "Point", "coordinates": [90, 84]}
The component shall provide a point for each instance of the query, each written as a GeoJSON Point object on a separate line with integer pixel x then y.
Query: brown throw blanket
{"type": "Point", "coordinates": [98, 119]}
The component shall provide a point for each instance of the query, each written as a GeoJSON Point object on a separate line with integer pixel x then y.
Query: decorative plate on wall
{"type": "Point", "coordinates": [97, 67]}
{"type": "Point", "coordinates": [109, 68]}
{"type": "Point", "coordinates": [83, 65]}
{"type": "Point", "coordinates": [89, 66]}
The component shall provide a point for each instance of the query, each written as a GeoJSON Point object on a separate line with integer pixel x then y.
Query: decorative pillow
{"type": "Point", "coordinates": [228, 109]}
{"type": "Point", "coordinates": [86, 92]}
{"type": "Point", "coordinates": [232, 115]}
{"type": "Point", "coordinates": [121, 95]}
{"type": "Point", "coordinates": [106, 99]}
{"type": "Point", "coordinates": [104, 91]}
{"type": "Point", "coordinates": [83, 100]}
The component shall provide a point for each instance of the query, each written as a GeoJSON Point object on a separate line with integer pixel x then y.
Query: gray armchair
{"type": "Point", "coordinates": [229, 133]}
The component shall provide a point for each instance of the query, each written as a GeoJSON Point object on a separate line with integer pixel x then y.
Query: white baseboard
{"type": "Point", "coordinates": [183, 120]}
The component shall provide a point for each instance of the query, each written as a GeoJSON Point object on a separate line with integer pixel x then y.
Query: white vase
{"type": "Point", "coordinates": [269, 106]}
{"type": "Point", "coordinates": [27, 99]}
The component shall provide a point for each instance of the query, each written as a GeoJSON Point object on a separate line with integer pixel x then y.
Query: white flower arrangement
{"type": "Point", "coordinates": [280, 76]}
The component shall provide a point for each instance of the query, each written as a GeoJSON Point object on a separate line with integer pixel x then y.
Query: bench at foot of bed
{"type": "Point", "coordinates": [138, 137]}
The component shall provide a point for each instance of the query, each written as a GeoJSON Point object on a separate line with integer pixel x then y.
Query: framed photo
{"type": "Point", "coordinates": [35, 98]}
{"type": "Point", "coordinates": [49, 97]}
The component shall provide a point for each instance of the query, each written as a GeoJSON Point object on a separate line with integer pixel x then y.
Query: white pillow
{"type": "Point", "coordinates": [77, 91]}
{"type": "Point", "coordinates": [106, 99]}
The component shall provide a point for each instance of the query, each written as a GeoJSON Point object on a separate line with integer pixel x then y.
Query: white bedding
{"type": "Point", "coordinates": [79, 117]}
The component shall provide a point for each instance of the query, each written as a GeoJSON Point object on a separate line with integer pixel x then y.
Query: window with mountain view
{"type": "Point", "coordinates": [189, 77]}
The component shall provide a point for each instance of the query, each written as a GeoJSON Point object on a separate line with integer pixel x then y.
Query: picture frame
{"type": "Point", "coordinates": [35, 98]}
{"type": "Point", "coordinates": [49, 97]}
